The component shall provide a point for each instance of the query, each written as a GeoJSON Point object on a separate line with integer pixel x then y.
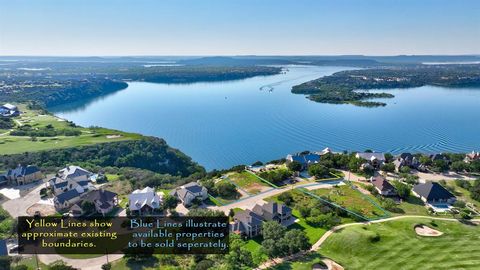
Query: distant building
{"type": "Point", "coordinates": [433, 193]}
{"type": "Point", "coordinates": [374, 159]}
{"type": "Point", "coordinates": [23, 175]}
{"type": "Point", "coordinates": [383, 187]}
{"type": "Point", "coordinates": [305, 159]}
{"type": "Point", "coordinates": [435, 157]}
{"type": "Point", "coordinates": [473, 156]}
{"type": "Point", "coordinates": [405, 160]}
{"type": "Point", "coordinates": [189, 192]}
{"type": "Point", "coordinates": [144, 201]}
{"type": "Point", "coordinates": [9, 110]}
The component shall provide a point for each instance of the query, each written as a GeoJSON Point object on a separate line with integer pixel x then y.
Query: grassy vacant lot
{"type": "Point", "coordinates": [351, 199]}
{"type": "Point", "coordinates": [19, 144]}
{"type": "Point", "coordinates": [394, 245]}
{"type": "Point", "coordinates": [248, 182]}
{"type": "Point", "coordinates": [305, 263]}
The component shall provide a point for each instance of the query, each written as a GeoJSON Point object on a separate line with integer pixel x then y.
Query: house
{"type": "Point", "coordinates": [249, 222]}
{"type": "Point", "coordinates": [70, 178]}
{"type": "Point", "coordinates": [405, 160]}
{"type": "Point", "coordinates": [383, 187]}
{"type": "Point", "coordinates": [9, 110]}
{"type": "Point", "coordinates": [305, 159]}
{"type": "Point", "coordinates": [324, 152]}
{"type": "Point", "coordinates": [374, 159]}
{"type": "Point", "coordinates": [68, 198]}
{"type": "Point", "coordinates": [189, 192]}
{"type": "Point", "coordinates": [144, 201]}
{"type": "Point", "coordinates": [23, 175]}
{"type": "Point", "coordinates": [432, 193]}
{"type": "Point", "coordinates": [103, 200]}
{"type": "Point", "coordinates": [472, 157]}
{"type": "Point", "coordinates": [273, 211]}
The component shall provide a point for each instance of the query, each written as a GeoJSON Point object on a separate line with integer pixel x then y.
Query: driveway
{"type": "Point", "coordinates": [18, 207]}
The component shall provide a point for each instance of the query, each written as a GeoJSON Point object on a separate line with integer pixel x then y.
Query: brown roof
{"type": "Point", "coordinates": [382, 184]}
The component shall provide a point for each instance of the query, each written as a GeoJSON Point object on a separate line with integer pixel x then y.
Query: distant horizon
{"type": "Point", "coordinates": [239, 27]}
{"type": "Point", "coordinates": [242, 55]}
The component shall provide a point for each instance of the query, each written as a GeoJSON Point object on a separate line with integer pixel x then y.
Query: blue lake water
{"type": "Point", "coordinates": [223, 124]}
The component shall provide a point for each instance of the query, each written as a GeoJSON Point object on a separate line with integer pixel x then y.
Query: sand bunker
{"type": "Point", "coordinates": [113, 136]}
{"type": "Point", "coordinates": [423, 230]}
{"type": "Point", "coordinates": [332, 265]}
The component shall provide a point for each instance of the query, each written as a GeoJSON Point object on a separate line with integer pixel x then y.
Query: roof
{"type": "Point", "coordinates": [193, 187]}
{"type": "Point", "coordinates": [60, 185]}
{"type": "Point", "coordinates": [68, 195]}
{"type": "Point", "coordinates": [10, 107]}
{"type": "Point", "coordinates": [102, 196]}
{"type": "Point", "coordinates": [438, 157]}
{"type": "Point", "coordinates": [274, 207]}
{"type": "Point", "coordinates": [371, 156]}
{"type": "Point", "coordinates": [3, 247]}
{"type": "Point", "coordinates": [432, 191]}
{"type": "Point", "coordinates": [304, 158]}
{"type": "Point", "coordinates": [22, 171]}
{"type": "Point", "coordinates": [406, 156]}
{"type": "Point", "coordinates": [382, 184]}
{"type": "Point", "coordinates": [142, 197]}
{"type": "Point", "coordinates": [248, 217]}
{"type": "Point", "coordinates": [73, 172]}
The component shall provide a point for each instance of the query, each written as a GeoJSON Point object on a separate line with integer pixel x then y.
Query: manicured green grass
{"type": "Point", "coordinates": [305, 263]}
{"type": "Point", "coordinates": [413, 206]}
{"type": "Point", "coordinates": [248, 182]}
{"type": "Point", "coordinates": [313, 233]}
{"type": "Point", "coordinates": [398, 246]}
{"type": "Point", "coordinates": [351, 199]}
{"type": "Point", "coordinates": [20, 144]}
{"type": "Point", "coordinates": [81, 256]}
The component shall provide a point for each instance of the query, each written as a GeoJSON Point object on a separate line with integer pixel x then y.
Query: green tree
{"type": "Point", "coordinates": [403, 190]}
{"type": "Point", "coordinates": [226, 189]}
{"type": "Point", "coordinates": [88, 207]}
{"type": "Point", "coordinates": [459, 166]}
{"type": "Point", "coordinates": [318, 170]}
{"type": "Point", "coordinates": [388, 167]}
{"type": "Point", "coordinates": [294, 166]}
{"type": "Point", "coordinates": [295, 240]}
{"type": "Point", "coordinates": [107, 266]}
{"type": "Point", "coordinates": [60, 265]}
{"type": "Point", "coordinates": [273, 230]}
{"type": "Point", "coordinates": [169, 202]}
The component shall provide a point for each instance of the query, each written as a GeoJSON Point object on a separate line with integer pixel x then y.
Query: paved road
{"type": "Point", "coordinates": [250, 202]}
{"type": "Point", "coordinates": [18, 207]}
{"type": "Point", "coordinates": [324, 237]}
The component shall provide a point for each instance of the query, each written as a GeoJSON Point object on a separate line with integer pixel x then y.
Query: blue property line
{"type": "Point", "coordinates": [233, 183]}
{"type": "Point", "coordinates": [385, 213]}
{"type": "Point", "coordinates": [332, 204]}
{"type": "Point", "coordinates": [261, 179]}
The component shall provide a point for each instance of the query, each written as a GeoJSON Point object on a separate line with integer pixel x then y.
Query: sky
{"type": "Point", "coordinates": [234, 27]}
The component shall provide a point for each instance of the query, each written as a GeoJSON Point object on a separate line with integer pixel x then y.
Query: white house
{"type": "Point", "coordinates": [144, 201]}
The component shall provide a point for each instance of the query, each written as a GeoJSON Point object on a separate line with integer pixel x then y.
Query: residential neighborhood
{"type": "Point", "coordinates": [375, 186]}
